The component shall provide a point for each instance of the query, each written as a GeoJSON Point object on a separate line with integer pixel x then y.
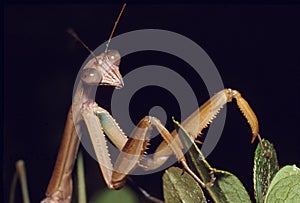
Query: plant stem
{"type": "Point", "coordinates": [13, 188]}
{"type": "Point", "coordinates": [20, 166]}
{"type": "Point", "coordinates": [81, 179]}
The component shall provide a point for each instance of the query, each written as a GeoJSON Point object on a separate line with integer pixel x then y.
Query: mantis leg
{"type": "Point", "coordinates": [201, 118]}
{"type": "Point", "coordinates": [60, 185]}
{"type": "Point", "coordinates": [133, 148]}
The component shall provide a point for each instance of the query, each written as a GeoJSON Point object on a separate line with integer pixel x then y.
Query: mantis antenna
{"type": "Point", "coordinates": [73, 34]}
{"type": "Point", "coordinates": [76, 37]}
{"type": "Point", "coordinates": [115, 25]}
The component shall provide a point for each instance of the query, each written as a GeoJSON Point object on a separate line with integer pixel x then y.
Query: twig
{"type": "Point", "coordinates": [20, 166]}
{"type": "Point", "coordinates": [81, 179]}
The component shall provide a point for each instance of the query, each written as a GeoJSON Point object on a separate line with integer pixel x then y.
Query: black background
{"type": "Point", "coordinates": [254, 47]}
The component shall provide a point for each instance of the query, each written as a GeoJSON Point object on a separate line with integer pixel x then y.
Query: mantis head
{"type": "Point", "coordinates": [103, 70]}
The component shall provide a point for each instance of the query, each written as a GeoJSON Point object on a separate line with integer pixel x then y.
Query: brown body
{"type": "Point", "coordinates": [104, 70]}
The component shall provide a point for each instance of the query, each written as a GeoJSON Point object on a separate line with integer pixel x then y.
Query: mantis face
{"type": "Point", "coordinates": [103, 70]}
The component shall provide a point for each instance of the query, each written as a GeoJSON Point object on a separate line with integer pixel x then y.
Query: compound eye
{"type": "Point", "coordinates": [114, 56]}
{"type": "Point", "coordinates": [91, 76]}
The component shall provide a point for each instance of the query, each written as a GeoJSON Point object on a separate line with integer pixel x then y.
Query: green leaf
{"type": "Point", "coordinates": [226, 188]}
{"type": "Point", "coordinates": [124, 195]}
{"type": "Point", "coordinates": [285, 186]}
{"type": "Point", "coordinates": [265, 168]}
{"type": "Point", "coordinates": [181, 187]}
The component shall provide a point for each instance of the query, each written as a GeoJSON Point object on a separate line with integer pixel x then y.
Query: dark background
{"type": "Point", "coordinates": [254, 47]}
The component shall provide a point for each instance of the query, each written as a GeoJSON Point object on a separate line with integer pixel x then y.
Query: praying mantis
{"type": "Point", "coordinates": [103, 69]}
